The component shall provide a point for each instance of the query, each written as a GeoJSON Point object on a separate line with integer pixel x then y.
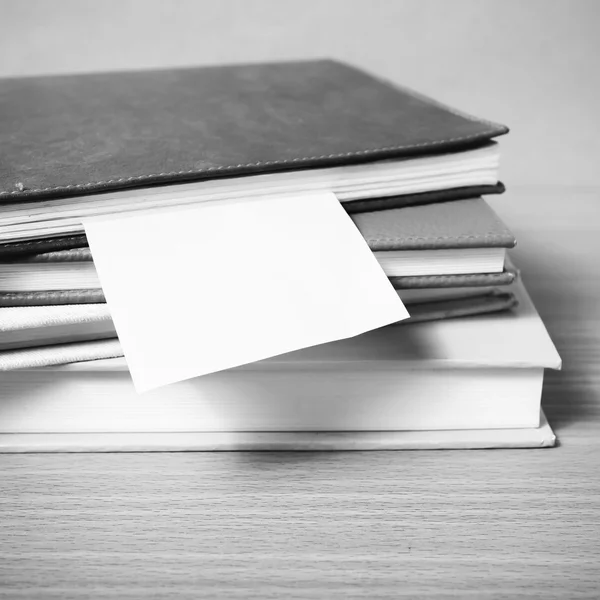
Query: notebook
{"type": "Point", "coordinates": [84, 145]}
{"type": "Point", "coordinates": [35, 326]}
{"type": "Point", "coordinates": [372, 386]}
{"type": "Point", "coordinates": [449, 238]}
{"type": "Point", "coordinates": [421, 288]}
{"type": "Point", "coordinates": [506, 277]}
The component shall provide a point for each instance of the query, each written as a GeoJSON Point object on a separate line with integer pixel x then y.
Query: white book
{"type": "Point", "coordinates": [227, 441]}
{"type": "Point", "coordinates": [480, 373]}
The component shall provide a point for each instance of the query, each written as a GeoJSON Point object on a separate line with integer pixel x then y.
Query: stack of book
{"type": "Point", "coordinates": [465, 371]}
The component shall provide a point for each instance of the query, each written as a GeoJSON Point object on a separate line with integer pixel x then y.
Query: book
{"type": "Point", "coordinates": [232, 131]}
{"type": "Point", "coordinates": [508, 276]}
{"type": "Point", "coordinates": [451, 439]}
{"type": "Point", "coordinates": [82, 275]}
{"type": "Point", "coordinates": [450, 238]}
{"type": "Point", "coordinates": [490, 369]}
{"type": "Point", "coordinates": [51, 298]}
{"type": "Point", "coordinates": [414, 296]}
{"type": "Point", "coordinates": [36, 326]}
{"type": "Point", "coordinates": [419, 286]}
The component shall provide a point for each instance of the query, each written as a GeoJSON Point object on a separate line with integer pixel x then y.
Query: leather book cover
{"type": "Point", "coordinates": [446, 225]}
{"type": "Point", "coordinates": [17, 250]}
{"type": "Point", "coordinates": [506, 277]}
{"type": "Point", "coordinates": [459, 193]}
{"type": "Point", "coordinates": [460, 307]}
{"type": "Point", "coordinates": [51, 298]}
{"type": "Point", "coordinates": [83, 134]}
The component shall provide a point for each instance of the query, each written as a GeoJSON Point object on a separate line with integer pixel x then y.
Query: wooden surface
{"type": "Point", "coordinates": [477, 524]}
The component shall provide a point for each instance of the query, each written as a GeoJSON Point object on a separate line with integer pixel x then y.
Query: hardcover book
{"type": "Point", "coordinates": [370, 391]}
{"type": "Point", "coordinates": [463, 237]}
{"type": "Point", "coordinates": [62, 326]}
{"type": "Point", "coordinates": [111, 142]}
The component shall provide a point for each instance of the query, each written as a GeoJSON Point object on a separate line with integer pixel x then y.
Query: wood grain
{"type": "Point", "coordinates": [460, 524]}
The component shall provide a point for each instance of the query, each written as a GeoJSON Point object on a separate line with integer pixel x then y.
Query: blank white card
{"type": "Point", "coordinates": [202, 289]}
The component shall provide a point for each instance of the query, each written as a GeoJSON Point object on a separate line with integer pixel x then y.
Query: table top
{"type": "Point", "coordinates": [433, 524]}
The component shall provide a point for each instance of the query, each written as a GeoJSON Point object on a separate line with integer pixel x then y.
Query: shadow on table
{"type": "Point", "coordinates": [566, 302]}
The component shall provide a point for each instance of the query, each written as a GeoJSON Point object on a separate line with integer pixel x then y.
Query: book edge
{"type": "Point", "coordinates": [540, 437]}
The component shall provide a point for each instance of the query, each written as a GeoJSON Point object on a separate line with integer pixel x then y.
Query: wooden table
{"type": "Point", "coordinates": [438, 524]}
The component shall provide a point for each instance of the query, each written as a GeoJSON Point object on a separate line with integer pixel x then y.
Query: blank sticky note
{"type": "Point", "coordinates": [198, 290]}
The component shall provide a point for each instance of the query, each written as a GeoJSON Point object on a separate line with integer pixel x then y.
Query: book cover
{"type": "Point", "coordinates": [108, 131]}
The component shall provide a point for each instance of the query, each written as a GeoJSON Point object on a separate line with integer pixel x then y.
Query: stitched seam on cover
{"type": "Point", "coordinates": [35, 242]}
{"type": "Point", "coordinates": [484, 236]}
{"type": "Point", "coordinates": [53, 294]}
{"type": "Point", "coordinates": [256, 164]}
{"type": "Point", "coordinates": [468, 276]}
